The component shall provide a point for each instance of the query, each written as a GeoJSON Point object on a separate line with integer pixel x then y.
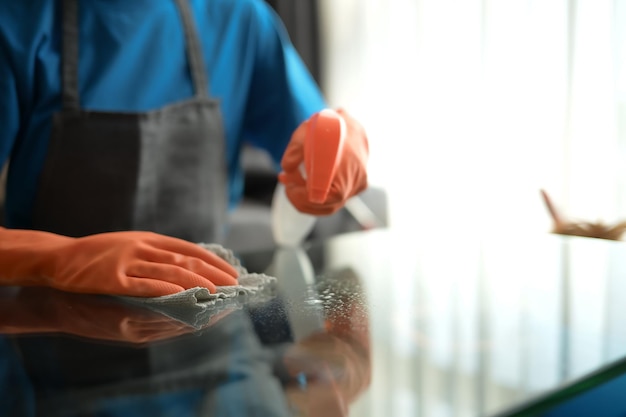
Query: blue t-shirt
{"type": "Point", "coordinates": [132, 58]}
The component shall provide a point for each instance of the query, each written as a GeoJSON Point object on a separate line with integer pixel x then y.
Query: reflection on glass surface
{"type": "Point", "coordinates": [73, 355]}
{"type": "Point", "coordinates": [474, 325]}
{"type": "Point", "coordinates": [365, 324]}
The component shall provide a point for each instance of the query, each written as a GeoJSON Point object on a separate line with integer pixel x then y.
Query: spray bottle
{"type": "Point", "coordinates": [323, 147]}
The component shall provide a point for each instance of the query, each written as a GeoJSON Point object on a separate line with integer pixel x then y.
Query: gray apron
{"type": "Point", "coordinates": [162, 171]}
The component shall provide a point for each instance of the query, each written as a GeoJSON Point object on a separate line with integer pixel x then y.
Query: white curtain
{"type": "Point", "coordinates": [472, 106]}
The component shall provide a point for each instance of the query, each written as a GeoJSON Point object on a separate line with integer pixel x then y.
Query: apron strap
{"type": "Point", "coordinates": [194, 50]}
{"type": "Point", "coordinates": [69, 57]}
{"type": "Point", "coordinates": [69, 53]}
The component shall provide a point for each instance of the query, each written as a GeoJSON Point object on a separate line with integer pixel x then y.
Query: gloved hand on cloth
{"type": "Point", "coordinates": [350, 176]}
{"type": "Point", "coordinates": [141, 264]}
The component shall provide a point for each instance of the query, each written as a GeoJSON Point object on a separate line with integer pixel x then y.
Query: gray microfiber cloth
{"type": "Point", "coordinates": [197, 306]}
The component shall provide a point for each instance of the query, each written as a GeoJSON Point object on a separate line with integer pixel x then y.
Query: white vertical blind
{"type": "Point", "coordinates": [472, 106]}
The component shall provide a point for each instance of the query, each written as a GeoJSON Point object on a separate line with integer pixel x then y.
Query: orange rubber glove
{"type": "Point", "coordinates": [350, 178]}
{"type": "Point", "coordinates": [141, 264]}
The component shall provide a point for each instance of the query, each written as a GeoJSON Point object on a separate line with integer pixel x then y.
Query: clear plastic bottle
{"type": "Point", "coordinates": [289, 226]}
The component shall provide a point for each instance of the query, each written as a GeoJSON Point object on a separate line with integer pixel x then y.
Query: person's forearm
{"type": "Point", "coordinates": [23, 254]}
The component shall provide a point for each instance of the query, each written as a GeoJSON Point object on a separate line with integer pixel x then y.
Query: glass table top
{"type": "Point", "coordinates": [373, 323]}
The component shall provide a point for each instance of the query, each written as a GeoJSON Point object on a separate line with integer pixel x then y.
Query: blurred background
{"type": "Point", "coordinates": [472, 106]}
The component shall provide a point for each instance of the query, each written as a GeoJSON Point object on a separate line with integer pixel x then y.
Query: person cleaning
{"type": "Point", "coordinates": [122, 123]}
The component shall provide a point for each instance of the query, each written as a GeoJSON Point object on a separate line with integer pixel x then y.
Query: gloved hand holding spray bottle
{"type": "Point", "coordinates": [323, 166]}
